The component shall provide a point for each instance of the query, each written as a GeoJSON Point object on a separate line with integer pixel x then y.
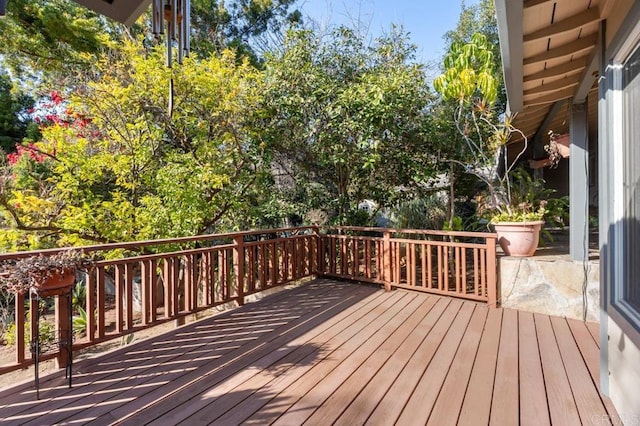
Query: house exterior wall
{"type": "Point", "coordinates": [620, 331]}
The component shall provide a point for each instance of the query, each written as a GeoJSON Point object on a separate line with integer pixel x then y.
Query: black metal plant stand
{"type": "Point", "coordinates": [63, 338]}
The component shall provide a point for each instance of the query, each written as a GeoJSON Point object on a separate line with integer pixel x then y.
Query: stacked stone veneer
{"type": "Point", "coordinates": [549, 285]}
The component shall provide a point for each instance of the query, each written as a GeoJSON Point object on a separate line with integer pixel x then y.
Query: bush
{"type": "Point", "coordinates": [421, 213]}
{"type": "Point", "coordinates": [47, 333]}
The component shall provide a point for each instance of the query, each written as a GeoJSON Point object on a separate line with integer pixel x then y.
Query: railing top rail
{"type": "Point", "coordinates": [149, 243]}
{"type": "Point", "coordinates": [489, 235]}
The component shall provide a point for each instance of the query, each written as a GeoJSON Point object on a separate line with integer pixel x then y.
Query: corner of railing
{"type": "Point", "coordinates": [492, 281]}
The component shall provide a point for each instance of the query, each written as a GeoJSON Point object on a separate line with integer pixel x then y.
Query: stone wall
{"type": "Point", "coordinates": [550, 285]}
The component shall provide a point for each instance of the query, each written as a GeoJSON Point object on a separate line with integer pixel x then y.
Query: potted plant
{"type": "Point", "coordinates": [42, 272]}
{"type": "Point", "coordinates": [470, 80]}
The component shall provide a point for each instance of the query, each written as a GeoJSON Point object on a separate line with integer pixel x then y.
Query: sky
{"type": "Point", "coordinates": [425, 20]}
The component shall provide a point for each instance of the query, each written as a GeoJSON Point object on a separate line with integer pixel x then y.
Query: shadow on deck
{"type": "Point", "coordinates": [335, 352]}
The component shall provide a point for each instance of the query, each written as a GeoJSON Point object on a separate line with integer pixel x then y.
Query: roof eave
{"type": "Point", "coordinates": [124, 11]}
{"type": "Point", "coordinates": [509, 18]}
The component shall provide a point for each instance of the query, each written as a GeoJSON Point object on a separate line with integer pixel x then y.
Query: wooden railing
{"type": "Point", "coordinates": [152, 282]}
{"type": "Point", "coordinates": [459, 264]}
{"type": "Point", "coordinates": [166, 280]}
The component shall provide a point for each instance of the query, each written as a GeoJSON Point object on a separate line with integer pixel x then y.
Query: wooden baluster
{"type": "Point", "coordinates": [128, 287]}
{"type": "Point", "coordinates": [153, 290]}
{"type": "Point", "coordinates": [463, 261]}
{"type": "Point", "coordinates": [119, 296]}
{"type": "Point", "coordinates": [273, 264]}
{"type": "Point", "coordinates": [239, 267]}
{"type": "Point", "coordinates": [19, 322]}
{"type": "Point", "coordinates": [145, 277]}
{"type": "Point", "coordinates": [90, 305]}
{"type": "Point", "coordinates": [101, 302]}
{"type": "Point", "coordinates": [166, 280]}
{"type": "Point", "coordinates": [423, 270]}
{"type": "Point", "coordinates": [492, 289]}
{"type": "Point", "coordinates": [188, 282]}
{"type": "Point", "coordinates": [386, 260]}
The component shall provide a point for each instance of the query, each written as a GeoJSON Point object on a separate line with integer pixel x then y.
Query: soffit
{"type": "Point", "coordinates": [124, 11]}
{"type": "Point", "coordinates": [556, 57]}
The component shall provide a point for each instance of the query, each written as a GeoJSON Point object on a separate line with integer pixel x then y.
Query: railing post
{"type": "Point", "coordinates": [492, 282]}
{"type": "Point", "coordinates": [238, 267]}
{"type": "Point", "coordinates": [386, 260]}
{"type": "Point", "coordinates": [63, 323]}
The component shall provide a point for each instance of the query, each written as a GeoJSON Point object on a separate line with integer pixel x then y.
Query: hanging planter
{"type": "Point", "coordinates": [563, 145]}
{"type": "Point", "coordinates": [56, 280]}
{"type": "Point", "coordinates": [42, 273]}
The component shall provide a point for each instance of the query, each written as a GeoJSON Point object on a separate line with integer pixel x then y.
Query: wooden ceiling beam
{"type": "Point", "coordinates": [530, 3]}
{"type": "Point", "coordinates": [553, 86]}
{"type": "Point", "coordinates": [574, 22]}
{"type": "Point", "coordinates": [577, 46]}
{"type": "Point", "coordinates": [553, 97]}
{"type": "Point", "coordinates": [559, 70]}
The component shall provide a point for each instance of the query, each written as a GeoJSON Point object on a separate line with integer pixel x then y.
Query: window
{"type": "Point", "coordinates": [630, 73]}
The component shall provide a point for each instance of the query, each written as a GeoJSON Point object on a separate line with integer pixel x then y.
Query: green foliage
{"type": "Point", "coordinates": [469, 72]}
{"type": "Point", "coordinates": [529, 199]}
{"type": "Point", "coordinates": [346, 120]}
{"type": "Point", "coordinates": [421, 213]}
{"type": "Point", "coordinates": [248, 26]}
{"type": "Point", "coordinates": [79, 322]}
{"type": "Point", "coordinates": [468, 79]}
{"type": "Point", "coordinates": [14, 121]}
{"type": "Point", "coordinates": [79, 296]}
{"type": "Point", "coordinates": [47, 333]}
{"type": "Point", "coordinates": [56, 36]}
{"type": "Point", "coordinates": [481, 18]}
{"type": "Point", "coordinates": [123, 167]}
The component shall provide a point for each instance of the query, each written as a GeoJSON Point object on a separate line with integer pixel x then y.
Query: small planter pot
{"type": "Point", "coordinates": [564, 145]}
{"type": "Point", "coordinates": [57, 280]}
{"type": "Point", "coordinates": [518, 238]}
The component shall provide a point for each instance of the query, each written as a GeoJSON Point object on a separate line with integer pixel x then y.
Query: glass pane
{"type": "Point", "coordinates": [631, 88]}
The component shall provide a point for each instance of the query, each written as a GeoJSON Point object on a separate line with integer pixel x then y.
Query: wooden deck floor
{"type": "Point", "coordinates": [331, 352]}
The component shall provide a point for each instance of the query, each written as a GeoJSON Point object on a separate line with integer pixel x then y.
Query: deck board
{"type": "Point", "coordinates": [533, 396]}
{"type": "Point", "coordinates": [476, 407]}
{"type": "Point", "coordinates": [336, 353]}
{"type": "Point", "coordinates": [562, 407]}
{"type": "Point", "coordinates": [505, 401]}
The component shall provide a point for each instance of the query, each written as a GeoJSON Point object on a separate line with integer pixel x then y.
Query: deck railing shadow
{"type": "Point", "coordinates": [165, 368]}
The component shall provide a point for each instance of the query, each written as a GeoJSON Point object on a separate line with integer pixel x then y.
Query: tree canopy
{"type": "Point", "coordinates": [348, 120]}
{"type": "Point", "coordinates": [113, 165]}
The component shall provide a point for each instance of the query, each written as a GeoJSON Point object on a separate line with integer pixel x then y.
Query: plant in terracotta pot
{"type": "Point", "coordinates": [487, 150]}
{"type": "Point", "coordinates": [42, 272]}
{"type": "Point", "coordinates": [518, 224]}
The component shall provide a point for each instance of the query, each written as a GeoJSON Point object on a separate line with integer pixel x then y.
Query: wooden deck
{"type": "Point", "coordinates": [332, 352]}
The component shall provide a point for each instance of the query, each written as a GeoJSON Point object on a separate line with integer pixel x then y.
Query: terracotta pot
{"type": "Point", "coordinates": [518, 238]}
{"type": "Point", "coordinates": [58, 280]}
{"type": "Point", "coordinates": [564, 145]}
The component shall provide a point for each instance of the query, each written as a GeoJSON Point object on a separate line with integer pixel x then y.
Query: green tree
{"type": "Point", "coordinates": [348, 120]}
{"type": "Point", "coordinates": [469, 81]}
{"type": "Point", "coordinates": [251, 27]}
{"type": "Point", "coordinates": [57, 36]}
{"type": "Point", "coordinates": [114, 165]}
{"type": "Point", "coordinates": [54, 40]}
{"type": "Point", "coordinates": [15, 124]}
